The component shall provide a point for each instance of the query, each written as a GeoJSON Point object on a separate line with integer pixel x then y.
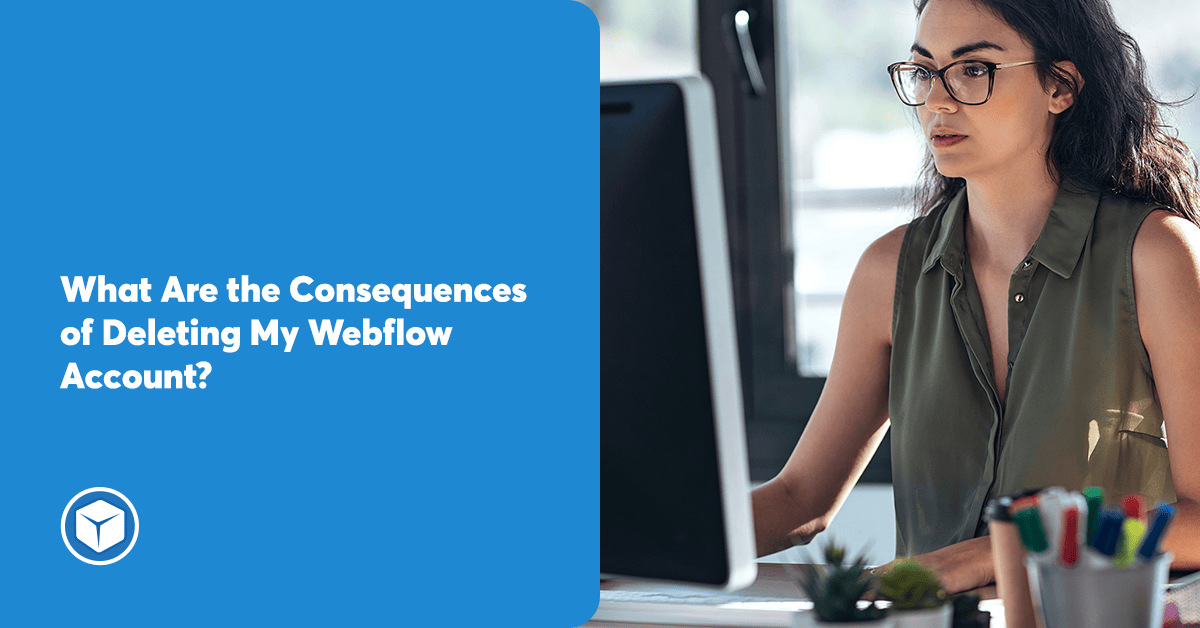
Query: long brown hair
{"type": "Point", "coordinates": [1113, 137]}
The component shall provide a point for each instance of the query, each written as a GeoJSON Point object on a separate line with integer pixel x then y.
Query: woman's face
{"type": "Point", "coordinates": [1007, 134]}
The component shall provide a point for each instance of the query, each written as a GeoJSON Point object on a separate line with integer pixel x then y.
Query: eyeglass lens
{"type": "Point", "coordinates": [966, 82]}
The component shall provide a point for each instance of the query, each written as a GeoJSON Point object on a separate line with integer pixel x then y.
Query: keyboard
{"type": "Point", "coordinates": [693, 607]}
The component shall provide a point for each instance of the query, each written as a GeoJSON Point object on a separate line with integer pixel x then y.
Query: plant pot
{"type": "Point", "coordinates": [938, 617]}
{"type": "Point", "coordinates": [884, 622]}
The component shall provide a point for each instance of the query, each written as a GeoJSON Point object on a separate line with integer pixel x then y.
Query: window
{"type": "Point", "coordinates": [646, 39]}
{"type": "Point", "coordinates": [1172, 55]}
{"type": "Point", "coordinates": [854, 153]}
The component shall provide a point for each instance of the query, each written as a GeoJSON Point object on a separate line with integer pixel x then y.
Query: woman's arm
{"type": "Point", "coordinates": [850, 418]}
{"type": "Point", "coordinates": [1166, 277]}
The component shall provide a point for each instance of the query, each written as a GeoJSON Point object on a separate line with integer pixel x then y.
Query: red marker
{"type": "Point", "coordinates": [1070, 544]}
{"type": "Point", "coordinates": [1023, 503]}
{"type": "Point", "coordinates": [1134, 506]}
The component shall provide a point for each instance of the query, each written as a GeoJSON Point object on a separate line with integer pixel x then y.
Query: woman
{"type": "Point", "coordinates": [1000, 331]}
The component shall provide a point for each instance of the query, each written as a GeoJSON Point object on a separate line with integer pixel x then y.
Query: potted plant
{"type": "Point", "coordinates": [918, 599]}
{"type": "Point", "coordinates": [836, 588]}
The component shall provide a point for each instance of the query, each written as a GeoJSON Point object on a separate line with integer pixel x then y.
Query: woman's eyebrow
{"type": "Point", "coordinates": [960, 51]}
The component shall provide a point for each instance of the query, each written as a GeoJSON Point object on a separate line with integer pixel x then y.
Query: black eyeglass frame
{"type": "Point", "coordinates": [941, 74]}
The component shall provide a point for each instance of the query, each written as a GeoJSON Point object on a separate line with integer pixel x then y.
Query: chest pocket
{"type": "Point", "coordinates": [1128, 454]}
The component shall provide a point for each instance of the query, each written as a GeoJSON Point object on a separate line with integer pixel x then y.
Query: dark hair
{"type": "Point", "coordinates": [1112, 137]}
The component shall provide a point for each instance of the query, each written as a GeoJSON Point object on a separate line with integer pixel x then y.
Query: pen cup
{"type": "Point", "coordinates": [1082, 596]}
{"type": "Point", "coordinates": [1008, 558]}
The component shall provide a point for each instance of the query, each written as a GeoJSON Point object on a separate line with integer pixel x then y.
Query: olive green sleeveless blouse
{"type": "Point", "coordinates": [1081, 408]}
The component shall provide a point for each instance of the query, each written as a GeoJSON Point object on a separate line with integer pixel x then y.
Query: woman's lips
{"type": "Point", "coordinates": [944, 141]}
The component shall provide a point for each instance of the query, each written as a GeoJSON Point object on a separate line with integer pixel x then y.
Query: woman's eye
{"type": "Point", "coordinates": [975, 70]}
{"type": "Point", "coordinates": [924, 74]}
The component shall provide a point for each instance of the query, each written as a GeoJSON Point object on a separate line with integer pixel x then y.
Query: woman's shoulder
{"type": "Point", "coordinates": [1166, 245]}
{"type": "Point", "coordinates": [881, 260]}
{"type": "Point", "coordinates": [1153, 231]}
{"type": "Point", "coordinates": [1166, 284]}
{"type": "Point", "coordinates": [885, 251]}
{"type": "Point", "coordinates": [1130, 211]}
{"type": "Point", "coordinates": [916, 238]}
{"type": "Point", "coordinates": [872, 287]}
{"type": "Point", "coordinates": [878, 264]}
{"type": "Point", "coordinates": [1161, 238]}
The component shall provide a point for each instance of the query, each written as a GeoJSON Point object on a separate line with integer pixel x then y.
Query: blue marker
{"type": "Point", "coordinates": [1162, 518]}
{"type": "Point", "coordinates": [1108, 531]}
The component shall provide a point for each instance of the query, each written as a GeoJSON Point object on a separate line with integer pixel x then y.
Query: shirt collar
{"type": "Point", "coordinates": [1058, 247]}
{"type": "Point", "coordinates": [948, 247]}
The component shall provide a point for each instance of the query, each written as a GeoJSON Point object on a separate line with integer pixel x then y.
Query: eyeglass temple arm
{"type": "Point", "coordinates": [1013, 65]}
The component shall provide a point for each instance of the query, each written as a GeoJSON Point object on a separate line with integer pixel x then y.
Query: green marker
{"type": "Point", "coordinates": [1029, 522]}
{"type": "Point", "coordinates": [1095, 503]}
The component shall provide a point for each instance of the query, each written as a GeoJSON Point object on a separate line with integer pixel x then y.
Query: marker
{"type": "Point", "coordinates": [1095, 503]}
{"type": "Point", "coordinates": [1032, 534]}
{"type": "Point", "coordinates": [1070, 542]}
{"type": "Point", "coordinates": [1051, 503]}
{"type": "Point", "coordinates": [1080, 503]}
{"type": "Point", "coordinates": [1162, 518]}
{"type": "Point", "coordinates": [1134, 507]}
{"type": "Point", "coordinates": [1108, 531]}
{"type": "Point", "coordinates": [1131, 536]}
{"type": "Point", "coordinates": [1029, 501]}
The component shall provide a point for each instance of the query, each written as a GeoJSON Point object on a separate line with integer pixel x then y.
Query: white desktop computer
{"type": "Point", "coordinates": [674, 479]}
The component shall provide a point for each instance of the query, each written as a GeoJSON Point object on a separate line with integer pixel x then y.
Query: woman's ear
{"type": "Point", "coordinates": [1062, 96]}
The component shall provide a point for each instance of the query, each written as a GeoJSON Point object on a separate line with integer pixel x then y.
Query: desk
{"type": "Point", "coordinates": [772, 581]}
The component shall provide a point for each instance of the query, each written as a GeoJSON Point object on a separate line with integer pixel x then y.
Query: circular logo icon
{"type": "Point", "coordinates": [99, 526]}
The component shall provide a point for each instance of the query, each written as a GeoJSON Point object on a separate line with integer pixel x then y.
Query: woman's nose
{"type": "Point", "coordinates": [939, 98]}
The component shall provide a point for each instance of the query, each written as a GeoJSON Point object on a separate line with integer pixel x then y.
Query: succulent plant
{"type": "Point", "coordinates": [835, 588]}
{"type": "Point", "coordinates": [910, 586]}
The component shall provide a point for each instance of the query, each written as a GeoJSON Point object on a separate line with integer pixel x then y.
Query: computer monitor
{"type": "Point", "coordinates": [674, 478]}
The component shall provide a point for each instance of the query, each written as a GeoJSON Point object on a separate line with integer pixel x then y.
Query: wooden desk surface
{"type": "Point", "coordinates": [772, 581]}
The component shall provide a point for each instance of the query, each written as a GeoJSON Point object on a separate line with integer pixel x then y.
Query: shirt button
{"type": "Point", "coordinates": [1019, 298]}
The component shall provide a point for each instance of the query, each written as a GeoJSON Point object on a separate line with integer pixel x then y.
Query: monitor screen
{"type": "Point", "coordinates": [674, 484]}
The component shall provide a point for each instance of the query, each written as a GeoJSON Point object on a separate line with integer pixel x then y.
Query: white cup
{"type": "Point", "coordinates": [1085, 596]}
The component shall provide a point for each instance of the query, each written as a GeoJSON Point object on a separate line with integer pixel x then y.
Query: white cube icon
{"type": "Point", "coordinates": [100, 525]}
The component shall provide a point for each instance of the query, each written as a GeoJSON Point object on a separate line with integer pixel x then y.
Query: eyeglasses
{"type": "Point", "coordinates": [967, 82]}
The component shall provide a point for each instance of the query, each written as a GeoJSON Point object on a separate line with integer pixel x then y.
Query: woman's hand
{"type": "Point", "coordinates": [960, 567]}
